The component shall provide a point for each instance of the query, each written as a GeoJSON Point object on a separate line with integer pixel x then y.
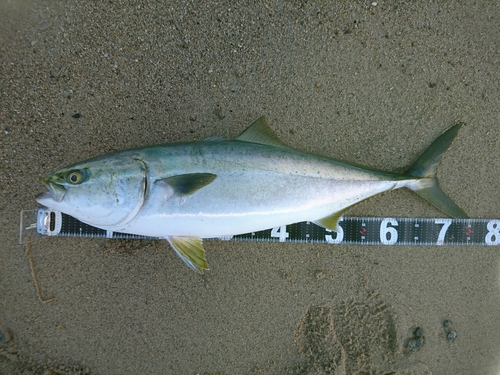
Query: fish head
{"type": "Point", "coordinates": [104, 192]}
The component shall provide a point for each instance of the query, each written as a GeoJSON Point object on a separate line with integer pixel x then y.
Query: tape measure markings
{"type": "Point", "coordinates": [352, 230]}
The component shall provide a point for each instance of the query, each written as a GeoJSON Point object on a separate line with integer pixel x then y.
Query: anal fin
{"type": "Point", "coordinates": [331, 222]}
{"type": "Point", "coordinates": [190, 250]}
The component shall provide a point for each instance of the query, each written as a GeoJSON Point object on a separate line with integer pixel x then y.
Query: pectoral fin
{"type": "Point", "coordinates": [191, 251]}
{"type": "Point", "coordinates": [187, 184]}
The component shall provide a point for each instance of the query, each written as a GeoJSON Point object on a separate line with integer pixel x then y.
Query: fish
{"type": "Point", "coordinates": [187, 191]}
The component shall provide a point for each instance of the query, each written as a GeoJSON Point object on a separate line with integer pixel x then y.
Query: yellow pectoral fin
{"type": "Point", "coordinates": [190, 250]}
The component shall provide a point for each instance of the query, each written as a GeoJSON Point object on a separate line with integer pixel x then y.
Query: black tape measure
{"type": "Point", "coordinates": [352, 230]}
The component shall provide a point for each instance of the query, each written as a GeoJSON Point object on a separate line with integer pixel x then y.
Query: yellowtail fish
{"type": "Point", "coordinates": [188, 191]}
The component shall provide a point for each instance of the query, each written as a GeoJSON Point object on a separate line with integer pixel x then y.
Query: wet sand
{"type": "Point", "coordinates": [370, 83]}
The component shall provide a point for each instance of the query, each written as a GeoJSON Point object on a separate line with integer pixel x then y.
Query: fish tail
{"type": "Point", "coordinates": [425, 168]}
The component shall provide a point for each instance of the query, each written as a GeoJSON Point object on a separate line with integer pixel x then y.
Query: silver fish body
{"type": "Point", "coordinates": [192, 190]}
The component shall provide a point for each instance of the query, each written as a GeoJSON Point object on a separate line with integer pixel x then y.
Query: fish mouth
{"type": "Point", "coordinates": [55, 191]}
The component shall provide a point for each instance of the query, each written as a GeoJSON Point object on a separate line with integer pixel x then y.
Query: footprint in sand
{"type": "Point", "coordinates": [355, 336]}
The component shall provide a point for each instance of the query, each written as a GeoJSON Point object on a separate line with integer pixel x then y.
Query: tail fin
{"type": "Point", "coordinates": [426, 168]}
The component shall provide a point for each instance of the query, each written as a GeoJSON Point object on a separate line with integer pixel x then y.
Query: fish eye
{"type": "Point", "coordinates": [75, 177]}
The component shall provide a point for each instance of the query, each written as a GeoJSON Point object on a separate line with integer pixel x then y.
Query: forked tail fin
{"type": "Point", "coordinates": [426, 168]}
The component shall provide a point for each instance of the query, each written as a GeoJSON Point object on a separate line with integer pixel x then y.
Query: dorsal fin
{"type": "Point", "coordinates": [260, 132]}
{"type": "Point", "coordinates": [214, 138]}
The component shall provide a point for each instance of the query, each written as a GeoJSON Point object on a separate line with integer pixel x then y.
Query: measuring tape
{"type": "Point", "coordinates": [352, 230]}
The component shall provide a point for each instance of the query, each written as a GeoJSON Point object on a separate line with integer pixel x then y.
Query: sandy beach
{"type": "Point", "coordinates": [372, 83]}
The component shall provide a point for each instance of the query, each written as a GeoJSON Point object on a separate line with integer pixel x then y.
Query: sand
{"type": "Point", "coordinates": [370, 83]}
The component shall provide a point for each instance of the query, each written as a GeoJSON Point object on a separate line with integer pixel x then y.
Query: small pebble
{"type": "Point", "coordinates": [44, 25]}
{"type": "Point", "coordinates": [451, 335]}
{"type": "Point", "coordinates": [218, 112]}
{"type": "Point", "coordinates": [415, 343]}
{"type": "Point", "coordinates": [418, 332]}
{"type": "Point", "coordinates": [5, 336]}
{"type": "Point", "coordinates": [319, 275]}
